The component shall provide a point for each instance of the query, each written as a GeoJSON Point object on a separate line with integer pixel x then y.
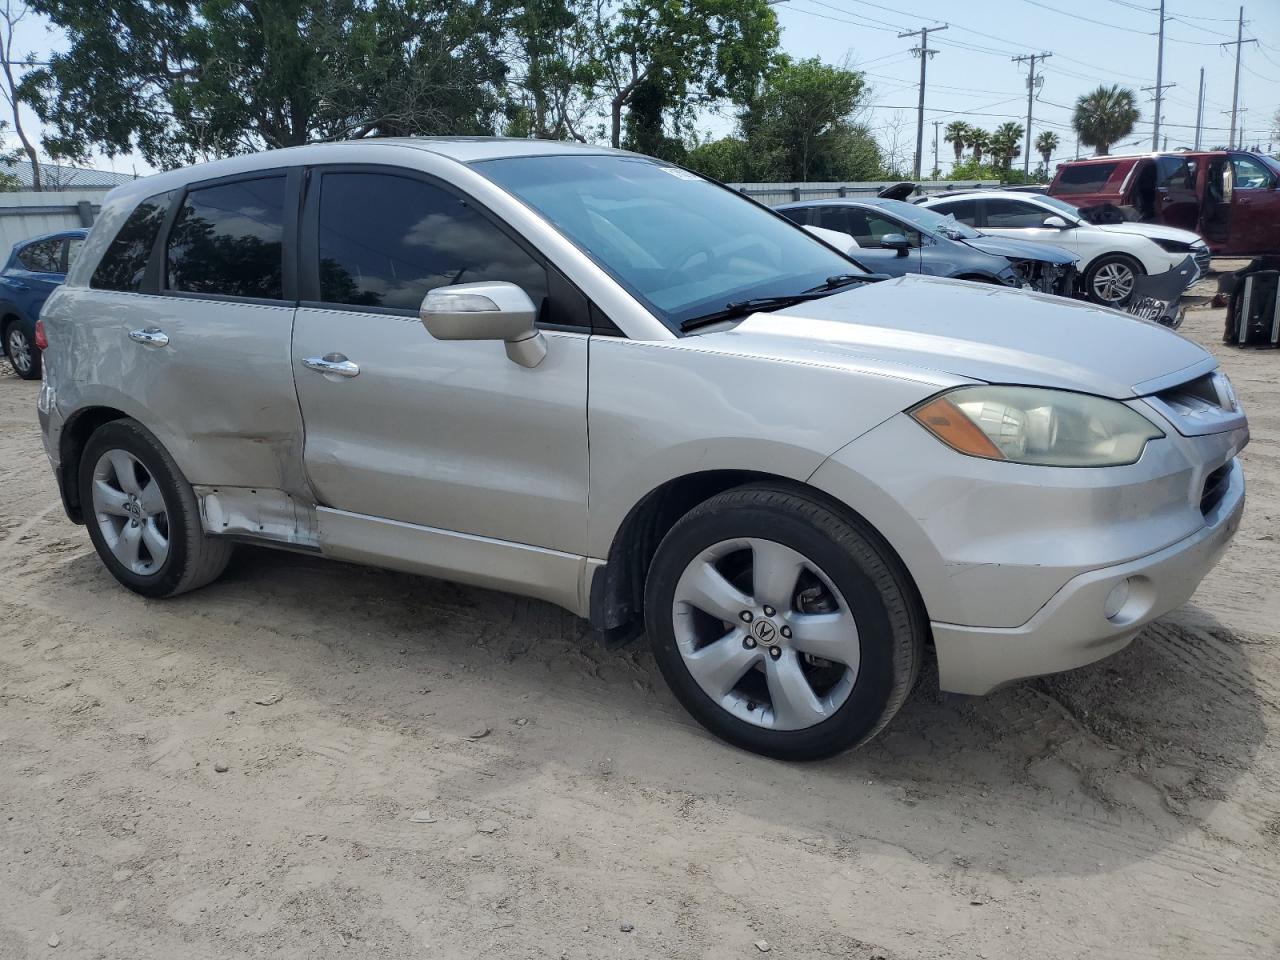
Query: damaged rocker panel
{"type": "Point", "coordinates": [258, 513]}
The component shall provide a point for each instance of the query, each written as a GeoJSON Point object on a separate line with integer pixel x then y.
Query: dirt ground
{"type": "Point", "coordinates": [1130, 809]}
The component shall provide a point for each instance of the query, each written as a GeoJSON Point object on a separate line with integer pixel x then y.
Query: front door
{"type": "Point", "coordinates": [1176, 202]}
{"type": "Point", "coordinates": [869, 229]}
{"type": "Point", "coordinates": [449, 435]}
{"type": "Point", "coordinates": [1255, 207]}
{"type": "Point", "coordinates": [1024, 220]}
{"type": "Point", "coordinates": [1215, 214]}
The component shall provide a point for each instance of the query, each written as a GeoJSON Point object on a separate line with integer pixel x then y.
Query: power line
{"type": "Point", "coordinates": [925, 53]}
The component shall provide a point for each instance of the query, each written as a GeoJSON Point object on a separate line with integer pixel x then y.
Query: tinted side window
{"type": "Point", "coordinates": [798, 215]}
{"type": "Point", "coordinates": [870, 229]}
{"type": "Point", "coordinates": [1007, 214]}
{"type": "Point", "coordinates": [125, 262]}
{"type": "Point", "coordinates": [227, 240]}
{"type": "Point", "coordinates": [1176, 172]}
{"type": "Point", "coordinates": [42, 257]}
{"type": "Point", "coordinates": [832, 218]}
{"type": "Point", "coordinates": [1084, 177]}
{"type": "Point", "coordinates": [73, 249]}
{"type": "Point", "coordinates": [1250, 174]}
{"type": "Point", "coordinates": [386, 240]}
{"type": "Point", "coordinates": [965, 211]}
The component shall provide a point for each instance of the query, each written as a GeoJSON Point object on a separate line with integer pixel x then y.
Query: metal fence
{"type": "Point", "coordinates": [26, 214]}
{"type": "Point", "coordinates": [775, 193]}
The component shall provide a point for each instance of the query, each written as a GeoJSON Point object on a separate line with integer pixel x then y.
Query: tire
{"type": "Point", "coordinates": [134, 496]}
{"type": "Point", "coordinates": [1111, 264]}
{"type": "Point", "coordinates": [21, 351]}
{"type": "Point", "coordinates": [843, 572]}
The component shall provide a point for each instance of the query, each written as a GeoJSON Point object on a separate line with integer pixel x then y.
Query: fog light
{"type": "Point", "coordinates": [1116, 599]}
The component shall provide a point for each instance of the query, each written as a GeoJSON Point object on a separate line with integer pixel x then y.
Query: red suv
{"type": "Point", "coordinates": [1228, 197]}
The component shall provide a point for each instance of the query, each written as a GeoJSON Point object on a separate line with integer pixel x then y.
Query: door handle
{"type": "Point", "coordinates": [150, 337]}
{"type": "Point", "coordinates": [335, 364]}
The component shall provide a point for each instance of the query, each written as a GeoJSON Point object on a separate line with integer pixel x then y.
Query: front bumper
{"type": "Point", "coordinates": [1071, 630]}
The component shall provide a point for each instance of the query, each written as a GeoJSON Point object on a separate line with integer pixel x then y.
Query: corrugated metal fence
{"type": "Point", "coordinates": [26, 214]}
{"type": "Point", "coordinates": [775, 193]}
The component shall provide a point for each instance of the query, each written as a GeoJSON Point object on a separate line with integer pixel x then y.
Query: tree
{"type": "Point", "coordinates": [1006, 143]}
{"type": "Point", "coordinates": [180, 80]}
{"type": "Point", "coordinates": [11, 14]}
{"type": "Point", "coordinates": [727, 160]}
{"type": "Point", "coordinates": [978, 141]}
{"type": "Point", "coordinates": [1105, 115]}
{"type": "Point", "coordinates": [661, 59]}
{"type": "Point", "coordinates": [800, 126]}
{"type": "Point", "coordinates": [957, 134]}
{"type": "Point", "coordinates": [1046, 143]}
{"type": "Point", "coordinates": [556, 71]}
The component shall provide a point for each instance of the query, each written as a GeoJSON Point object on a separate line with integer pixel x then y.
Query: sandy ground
{"type": "Point", "coordinates": [1131, 809]}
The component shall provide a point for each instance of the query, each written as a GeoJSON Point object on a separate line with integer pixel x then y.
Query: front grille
{"type": "Point", "coordinates": [1202, 260]}
{"type": "Point", "coordinates": [1215, 487]}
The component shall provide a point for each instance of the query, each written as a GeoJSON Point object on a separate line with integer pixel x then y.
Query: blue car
{"type": "Point", "coordinates": [896, 238]}
{"type": "Point", "coordinates": [34, 268]}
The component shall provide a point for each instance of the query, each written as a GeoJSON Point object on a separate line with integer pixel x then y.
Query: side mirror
{"type": "Point", "coordinates": [1056, 222]}
{"type": "Point", "coordinates": [486, 311]}
{"type": "Point", "coordinates": [896, 241]}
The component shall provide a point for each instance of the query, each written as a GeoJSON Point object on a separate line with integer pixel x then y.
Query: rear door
{"type": "Point", "coordinates": [198, 337]}
{"type": "Point", "coordinates": [451, 435]}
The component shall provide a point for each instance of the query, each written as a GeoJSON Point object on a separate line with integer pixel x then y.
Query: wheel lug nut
{"type": "Point", "coordinates": [769, 611]}
{"type": "Point", "coordinates": [775, 652]}
{"type": "Point", "coordinates": [749, 643]}
{"type": "Point", "coordinates": [786, 633]}
{"type": "Point", "coordinates": [746, 616]}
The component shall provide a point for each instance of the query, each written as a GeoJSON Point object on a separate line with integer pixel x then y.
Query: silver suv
{"type": "Point", "coordinates": [642, 397]}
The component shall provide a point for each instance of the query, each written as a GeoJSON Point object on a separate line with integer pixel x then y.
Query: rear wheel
{"type": "Point", "coordinates": [142, 515]}
{"type": "Point", "coordinates": [1111, 279]}
{"type": "Point", "coordinates": [781, 625]}
{"type": "Point", "coordinates": [22, 353]}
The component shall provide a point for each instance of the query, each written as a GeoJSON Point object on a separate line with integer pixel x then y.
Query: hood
{"type": "Point", "coordinates": [925, 326]}
{"type": "Point", "coordinates": [1022, 249]}
{"type": "Point", "coordinates": [1153, 230]}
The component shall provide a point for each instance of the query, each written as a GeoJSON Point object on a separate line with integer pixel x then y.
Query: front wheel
{"type": "Point", "coordinates": [142, 514]}
{"type": "Point", "coordinates": [1111, 280]}
{"type": "Point", "coordinates": [22, 353]}
{"type": "Point", "coordinates": [782, 626]}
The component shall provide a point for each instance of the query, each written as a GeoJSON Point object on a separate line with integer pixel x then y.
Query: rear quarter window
{"type": "Point", "coordinates": [124, 264]}
{"type": "Point", "coordinates": [1084, 178]}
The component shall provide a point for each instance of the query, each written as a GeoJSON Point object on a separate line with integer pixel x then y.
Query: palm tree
{"type": "Point", "coordinates": [1104, 116]}
{"type": "Point", "coordinates": [957, 134]}
{"type": "Point", "coordinates": [978, 140]}
{"type": "Point", "coordinates": [1006, 143]}
{"type": "Point", "coordinates": [1046, 143]}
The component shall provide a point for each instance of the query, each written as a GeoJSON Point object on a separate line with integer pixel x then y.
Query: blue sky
{"type": "Point", "coordinates": [1092, 42]}
{"type": "Point", "coordinates": [973, 79]}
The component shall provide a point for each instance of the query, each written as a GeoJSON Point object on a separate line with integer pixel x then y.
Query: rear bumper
{"type": "Point", "coordinates": [1071, 630]}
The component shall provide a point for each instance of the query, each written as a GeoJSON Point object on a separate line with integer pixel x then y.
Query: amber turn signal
{"type": "Point", "coordinates": [949, 424]}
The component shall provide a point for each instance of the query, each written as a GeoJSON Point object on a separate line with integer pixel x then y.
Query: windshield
{"type": "Point", "coordinates": [1062, 205]}
{"type": "Point", "coordinates": [681, 244]}
{"type": "Point", "coordinates": [932, 220]}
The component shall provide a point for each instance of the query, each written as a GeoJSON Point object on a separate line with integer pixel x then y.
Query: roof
{"type": "Point", "coordinates": [56, 176]}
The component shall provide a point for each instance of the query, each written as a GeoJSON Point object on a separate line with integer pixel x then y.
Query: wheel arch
{"type": "Point", "coordinates": [71, 442]}
{"type": "Point", "coordinates": [616, 602]}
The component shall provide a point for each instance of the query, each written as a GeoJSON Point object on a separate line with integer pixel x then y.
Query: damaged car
{"type": "Point", "coordinates": [896, 238]}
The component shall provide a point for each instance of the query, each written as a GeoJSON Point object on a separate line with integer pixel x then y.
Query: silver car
{"type": "Point", "coordinates": [642, 397]}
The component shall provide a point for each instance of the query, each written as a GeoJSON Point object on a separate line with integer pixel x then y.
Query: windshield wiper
{"type": "Point", "coordinates": [740, 308]}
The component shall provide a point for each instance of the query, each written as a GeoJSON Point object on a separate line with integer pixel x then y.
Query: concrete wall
{"type": "Point", "coordinates": [26, 214]}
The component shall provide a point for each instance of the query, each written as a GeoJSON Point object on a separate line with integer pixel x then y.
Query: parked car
{"type": "Point", "coordinates": [1229, 197]}
{"type": "Point", "coordinates": [1113, 255]}
{"type": "Point", "coordinates": [34, 268]}
{"type": "Point", "coordinates": [643, 397]}
{"type": "Point", "coordinates": [896, 238]}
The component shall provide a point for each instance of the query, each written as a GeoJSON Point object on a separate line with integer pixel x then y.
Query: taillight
{"type": "Point", "coordinates": [41, 340]}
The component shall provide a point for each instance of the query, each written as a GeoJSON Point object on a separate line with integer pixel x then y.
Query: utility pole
{"type": "Point", "coordinates": [935, 147]}
{"type": "Point", "coordinates": [1200, 109]}
{"type": "Point", "coordinates": [1031, 91]}
{"type": "Point", "coordinates": [1235, 90]}
{"type": "Point", "coordinates": [1155, 134]}
{"type": "Point", "coordinates": [924, 53]}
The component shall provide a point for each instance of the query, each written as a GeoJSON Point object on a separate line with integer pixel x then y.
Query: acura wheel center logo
{"type": "Point", "coordinates": [764, 632]}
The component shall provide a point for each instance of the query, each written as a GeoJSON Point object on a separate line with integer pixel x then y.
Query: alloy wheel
{"type": "Point", "coordinates": [19, 349]}
{"type": "Point", "coordinates": [130, 512]}
{"type": "Point", "coordinates": [766, 634]}
{"type": "Point", "coordinates": [1113, 282]}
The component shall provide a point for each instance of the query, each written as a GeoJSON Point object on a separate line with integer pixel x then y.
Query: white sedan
{"type": "Point", "coordinates": [1113, 256]}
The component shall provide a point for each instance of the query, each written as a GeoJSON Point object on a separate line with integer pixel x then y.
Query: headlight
{"type": "Point", "coordinates": [1037, 426]}
{"type": "Point", "coordinates": [1173, 246]}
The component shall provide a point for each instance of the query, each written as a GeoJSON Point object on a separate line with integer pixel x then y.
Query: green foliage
{"type": "Point", "coordinates": [1006, 143]}
{"type": "Point", "coordinates": [957, 134]}
{"type": "Point", "coordinates": [1046, 143]}
{"type": "Point", "coordinates": [727, 160]}
{"type": "Point", "coordinates": [977, 140]}
{"type": "Point", "coordinates": [801, 127]}
{"type": "Point", "coordinates": [1105, 115]}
